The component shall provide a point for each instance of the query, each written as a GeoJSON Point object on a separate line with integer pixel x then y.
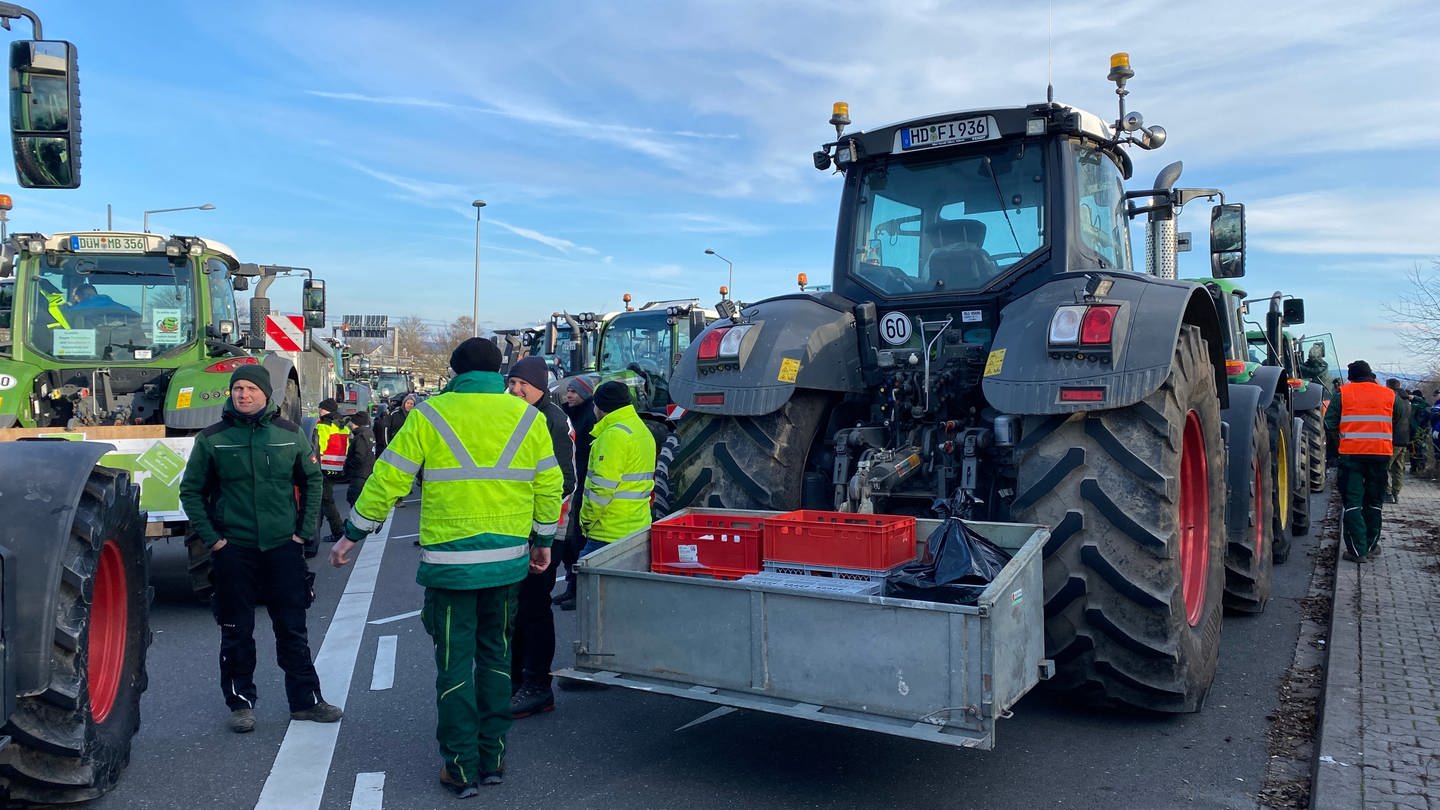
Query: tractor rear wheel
{"type": "Point", "coordinates": [72, 740]}
{"type": "Point", "coordinates": [661, 497]}
{"type": "Point", "coordinates": [1315, 445]}
{"type": "Point", "coordinates": [1249, 530]}
{"type": "Point", "coordinates": [1134, 568]}
{"type": "Point", "coordinates": [1282, 435]}
{"type": "Point", "coordinates": [743, 462]}
{"type": "Point", "coordinates": [1300, 494]}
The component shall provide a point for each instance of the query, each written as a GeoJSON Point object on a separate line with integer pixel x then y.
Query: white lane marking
{"type": "Point", "coordinates": [714, 715]}
{"type": "Point", "coordinates": [297, 779]}
{"type": "Point", "coordinates": [395, 618]}
{"type": "Point", "coordinates": [383, 677]}
{"type": "Point", "coordinates": [369, 791]}
{"type": "Point", "coordinates": [404, 536]}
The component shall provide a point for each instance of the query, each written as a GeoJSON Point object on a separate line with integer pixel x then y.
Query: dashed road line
{"type": "Point", "coordinates": [396, 618]}
{"type": "Point", "coordinates": [383, 676]}
{"type": "Point", "coordinates": [369, 791]}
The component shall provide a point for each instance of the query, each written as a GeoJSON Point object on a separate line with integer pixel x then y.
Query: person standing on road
{"type": "Point", "coordinates": [533, 651]}
{"type": "Point", "coordinates": [332, 442]}
{"type": "Point", "coordinates": [578, 408]}
{"type": "Point", "coordinates": [239, 493]}
{"type": "Point", "coordinates": [488, 517]}
{"type": "Point", "coordinates": [1364, 416]}
{"type": "Point", "coordinates": [393, 423]}
{"type": "Point", "coordinates": [1422, 451]}
{"type": "Point", "coordinates": [360, 458]}
{"type": "Point", "coordinates": [1400, 451]}
{"type": "Point", "coordinates": [621, 472]}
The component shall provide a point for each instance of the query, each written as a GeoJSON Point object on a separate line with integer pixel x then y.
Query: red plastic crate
{"type": "Point", "coordinates": [702, 544]}
{"type": "Point", "coordinates": [840, 539]}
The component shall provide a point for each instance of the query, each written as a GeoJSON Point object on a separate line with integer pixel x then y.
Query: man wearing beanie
{"type": "Point", "coordinates": [332, 442]}
{"type": "Point", "coordinates": [1365, 417]}
{"type": "Point", "coordinates": [238, 491]}
{"type": "Point", "coordinates": [533, 651]}
{"type": "Point", "coordinates": [360, 458]}
{"type": "Point", "coordinates": [621, 473]}
{"type": "Point", "coordinates": [492, 500]}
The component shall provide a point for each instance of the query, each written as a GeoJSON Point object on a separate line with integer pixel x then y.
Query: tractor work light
{"type": "Point", "coordinates": [30, 242]}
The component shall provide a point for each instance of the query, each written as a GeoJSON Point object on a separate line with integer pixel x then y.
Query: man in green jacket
{"type": "Point", "coordinates": [492, 501]}
{"type": "Point", "coordinates": [239, 492]}
{"type": "Point", "coordinates": [621, 473]}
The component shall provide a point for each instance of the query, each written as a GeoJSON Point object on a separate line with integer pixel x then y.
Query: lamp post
{"type": "Point", "coordinates": [204, 207]}
{"type": "Point", "coordinates": [730, 288]}
{"type": "Point", "coordinates": [475, 326]}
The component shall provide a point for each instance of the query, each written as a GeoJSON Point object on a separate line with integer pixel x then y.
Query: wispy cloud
{"type": "Point", "coordinates": [563, 246]}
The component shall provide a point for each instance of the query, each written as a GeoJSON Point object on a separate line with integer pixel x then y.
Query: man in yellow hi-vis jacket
{"type": "Point", "coordinates": [492, 501]}
{"type": "Point", "coordinates": [621, 472]}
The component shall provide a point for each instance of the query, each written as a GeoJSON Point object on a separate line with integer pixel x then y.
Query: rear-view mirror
{"type": "Point", "coordinates": [314, 303]}
{"type": "Point", "coordinates": [552, 338]}
{"type": "Point", "coordinates": [1227, 241]}
{"type": "Point", "coordinates": [1293, 311]}
{"type": "Point", "coordinates": [45, 113]}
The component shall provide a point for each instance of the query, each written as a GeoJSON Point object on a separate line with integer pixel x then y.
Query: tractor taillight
{"type": "Point", "coordinates": [710, 343]}
{"type": "Point", "coordinates": [1098, 325]}
{"type": "Point", "coordinates": [229, 364]}
{"type": "Point", "coordinates": [1090, 393]}
{"type": "Point", "coordinates": [1065, 325]}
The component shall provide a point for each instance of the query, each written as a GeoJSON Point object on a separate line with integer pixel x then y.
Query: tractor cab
{"type": "Point", "coordinates": [641, 347]}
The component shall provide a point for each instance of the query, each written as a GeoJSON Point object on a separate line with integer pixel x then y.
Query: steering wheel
{"type": "Point", "coordinates": [888, 279]}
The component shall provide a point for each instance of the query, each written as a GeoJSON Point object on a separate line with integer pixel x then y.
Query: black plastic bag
{"type": "Point", "coordinates": [959, 563]}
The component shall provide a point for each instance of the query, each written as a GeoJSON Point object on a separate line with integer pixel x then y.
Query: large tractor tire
{"type": "Point", "coordinates": [1282, 437]}
{"type": "Point", "coordinates": [743, 462]}
{"type": "Point", "coordinates": [1250, 533]}
{"type": "Point", "coordinates": [1315, 446]}
{"type": "Point", "coordinates": [72, 740]}
{"type": "Point", "coordinates": [199, 566]}
{"type": "Point", "coordinates": [1134, 569]}
{"type": "Point", "coordinates": [1300, 494]}
{"type": "Point", "coordinates": [661, 496]}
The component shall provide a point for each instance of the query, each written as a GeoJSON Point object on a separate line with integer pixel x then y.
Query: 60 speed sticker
{"type": "Point", "coordinates": [895, 328]}
{"type": "Point", "coordinates": [6, 382]}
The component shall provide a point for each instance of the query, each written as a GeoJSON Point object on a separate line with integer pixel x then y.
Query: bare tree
{"type": "Point", "coordinates": [1418, 312]}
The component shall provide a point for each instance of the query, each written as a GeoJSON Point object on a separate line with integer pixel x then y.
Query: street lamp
{"type": "Point", "coordinates": [476, 325]}
{"type": "Point", "coordinates": [205, 207]}
{"type": "Point", "coordinates": [730, 288]}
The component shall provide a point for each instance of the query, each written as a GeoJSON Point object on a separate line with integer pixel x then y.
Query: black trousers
{"type": "Point", "coordinates": [569, 547]}
{"type": "Point", "coordinates": [327, 507]}
{"type": "Point", "coordinates": [242, 576]}
{"type": "Point", "coordinates": [532, 651]}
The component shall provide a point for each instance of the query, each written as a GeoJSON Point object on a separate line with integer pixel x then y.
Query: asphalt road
{"type": "Point", "coordinates": [622, 749]}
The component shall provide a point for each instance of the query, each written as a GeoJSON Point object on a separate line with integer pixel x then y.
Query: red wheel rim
{"type": "Point", "coordinates": [1261, 478]}
{"type": "Point", "coordinates": [108, 621]}
{"type": "Point", "coordinates": [1194, 518]}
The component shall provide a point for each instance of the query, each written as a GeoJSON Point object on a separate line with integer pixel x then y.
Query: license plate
{"type": "Point", "coordinates": [105, 243]}
{"type": "Point", "coordinates": [944, 133]}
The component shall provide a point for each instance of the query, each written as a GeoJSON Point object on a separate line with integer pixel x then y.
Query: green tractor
{"type": "Point", "coordinates": [1304, 369]}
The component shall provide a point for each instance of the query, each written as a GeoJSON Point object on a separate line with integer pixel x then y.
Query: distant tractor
{"type": "Point", "coordinates": [989, 341]}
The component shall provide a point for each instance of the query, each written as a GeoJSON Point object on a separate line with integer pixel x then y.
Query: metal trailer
{"type": "Point", "coordinates": [928, 671]}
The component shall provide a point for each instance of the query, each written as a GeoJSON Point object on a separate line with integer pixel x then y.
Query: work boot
{"type": "Point", "coordinates": [242, 721]}
{"type": "Point", "coordinates": [321, 712]}
{"type": "Point", "coordinates": [493, 778]}
{"type": "Point", "coordinates": [1349, 556]}
{"type": "Point", "coordinates": [462, 790]}
{"type": "Point", "coordinates": [531, 700]}
{"type": "Point", "coordinates": [1374, 550]}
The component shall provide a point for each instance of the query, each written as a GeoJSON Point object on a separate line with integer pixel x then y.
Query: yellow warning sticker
{"type": "Point", "coordinates": [789, 369]}
{"type": "Point", "coordinates": [182, 399]}
{"type": "Point", "coordinates": [994, 362]}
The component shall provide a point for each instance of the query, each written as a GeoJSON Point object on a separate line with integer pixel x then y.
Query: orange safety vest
{"type": "Point", "coordinates": [334, 444]}
{"type": "Point", "coordinates": [1366, 419]}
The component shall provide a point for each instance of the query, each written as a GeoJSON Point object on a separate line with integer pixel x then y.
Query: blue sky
{"type": "Point", "coordinates": [615, 142]}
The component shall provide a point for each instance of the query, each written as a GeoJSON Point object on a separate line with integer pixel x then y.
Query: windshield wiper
{"type": "Point", "coordinates": [1000, 198]}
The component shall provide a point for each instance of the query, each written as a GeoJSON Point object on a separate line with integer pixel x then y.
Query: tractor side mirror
{"type": "Point", "coordinates": [314, 303]}
{"type": "Point", "coordinates": [697, 322]}
{"type": "Point", "coordinates": [45, 113]}
{"type": "Point", "coordinates": [552, 338]}
{"type": "Point", "coordinates": [1227, 241]}
{"type": "Point", "coordinates": [240, 283]}
{"type": "Point", "coordinates": [1293, 311]}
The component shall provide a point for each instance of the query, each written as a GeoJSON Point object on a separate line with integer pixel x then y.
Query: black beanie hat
{"type": "Point", "coordinates": [255, 374]}
{"type": "Point", "coordinates": [329, 405]}
{"type": "Point", "coordinates": [612, 396]}
{"type": "Point", "coordinates": [360, 419]}
{"type": "Point", "coordinates": [476, 354]}
{"type": "Point", "coordinates": [532, 370]}
{"type": "Point", "coordinates": [1359, 371]}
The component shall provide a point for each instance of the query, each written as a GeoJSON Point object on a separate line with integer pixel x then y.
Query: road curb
{"type": "Point", "coordinates": [1336, 779]}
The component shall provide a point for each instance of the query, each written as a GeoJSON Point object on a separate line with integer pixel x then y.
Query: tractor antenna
{"type": "Point", "coordinates": [1050, 53]}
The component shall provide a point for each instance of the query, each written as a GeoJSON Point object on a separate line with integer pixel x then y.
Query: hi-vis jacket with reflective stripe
{"type": "Point", "coordinates": [332, 442]}
{"type": "Point", "coordinates": [1365, 413]}
{"type": "Point", "coordinates": [621, 475]}
{"type": "Point", "coordinates": [491, 484]}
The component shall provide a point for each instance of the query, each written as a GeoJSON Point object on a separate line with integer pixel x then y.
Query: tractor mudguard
{"type": "Point", "coordinates": [1021, 377]}
{"type": "Point", "coordinates": [795, 341]}
{"type": "Point", "coordinates": [1306, 398]}
{"type": "Point", "coordinates": [40, 485]}
{"type": "Point", "coordinates": [195, 397]}
{"type": "Point", "coordinates": [1271, 380]}
{"type": "Point", "coordinates": [17, 384]}
{"type": "Point", "coordinates": [1240, 424]}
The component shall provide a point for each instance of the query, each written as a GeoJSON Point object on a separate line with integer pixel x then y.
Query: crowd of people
{"type": "Point", "coordinates": [507, 474]}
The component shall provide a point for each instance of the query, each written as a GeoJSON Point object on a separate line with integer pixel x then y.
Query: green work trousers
{"type": "Point", "coordinates": [1398, 459]}
{"type": "Point", "coordinates": [471, 630]}
{"type": "Point", "coordinates": [1362, 481]}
